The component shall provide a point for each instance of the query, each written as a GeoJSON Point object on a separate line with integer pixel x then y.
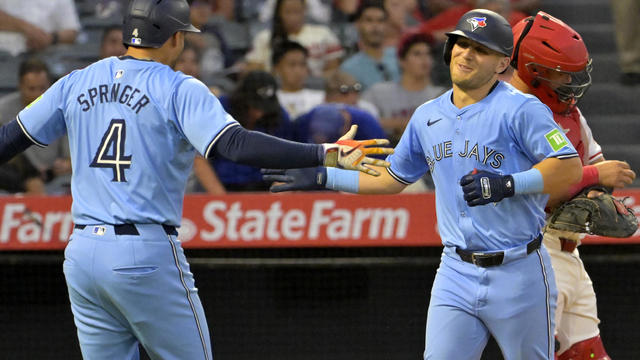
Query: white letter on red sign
{"type": "Point", "coordinates": [340, 225]}
{"type": "Point", "coordinates": [233, 215]}
{"type": "Point", "coordinates": [317, 217]}
{"type": "Point", "coordinates": [8, 221]}
{"type": "Point", "coordinates": [218, 224]}
{"type": "Point", "coordinates": [273, 217]}
{"type": "Point", "coordinates": [293, 219]}
{"type": "Point", "coordinates": [253, 228]}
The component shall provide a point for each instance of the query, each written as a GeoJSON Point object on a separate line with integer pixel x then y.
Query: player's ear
{"type": "Point", "coordinates": [503, 64]}
{"type": "Point", "coordinates": [177, 38]}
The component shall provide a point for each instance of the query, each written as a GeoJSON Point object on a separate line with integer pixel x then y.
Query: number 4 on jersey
{"type": "Point", "coordinates": [110, 152]}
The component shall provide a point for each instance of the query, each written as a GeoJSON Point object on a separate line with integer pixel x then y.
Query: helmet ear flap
{"type": "Point", "coordinates": [448, 47]}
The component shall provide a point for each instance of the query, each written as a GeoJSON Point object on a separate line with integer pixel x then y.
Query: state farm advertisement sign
{"type": "Point", "coordinates": [263, 220]}
{"type": "Point", "coordinates": [251, 220]}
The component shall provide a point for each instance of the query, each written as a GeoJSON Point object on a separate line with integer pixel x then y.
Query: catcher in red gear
{"type": "Point", "coordinates": [551, 62]}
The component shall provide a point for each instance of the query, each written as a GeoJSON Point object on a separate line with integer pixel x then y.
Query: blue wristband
{"type": "Point", "coordinates": [528, 182]}
{"type": "Point", "coordinates": [343, 180]}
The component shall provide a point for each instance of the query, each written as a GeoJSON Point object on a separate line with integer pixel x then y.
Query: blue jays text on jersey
{"type": "Point", "coordinates": [506, 132]}
{"type": "Point", "coordinates": [486, 155]}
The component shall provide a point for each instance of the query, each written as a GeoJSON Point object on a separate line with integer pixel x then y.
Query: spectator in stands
{"type": "Point", "coordinates": [111, 42]}
{"type": "Point", "coordinates": [290, 67]}
{"type": "Point", "coordinates": [373, 62]}
{"type": "Point", "coordinates": [255, 105]}
{"type": "Point", "coordinates": [627, 28]}
{"type": "Point", "coordinates": [37, 24]}
{"type": "Point", "coordinates": [51, 163]}
{"type": "Point", "coordinates": [20, 176]}
{"type": "Point", "coordinates": [343, 88]}
{"type": "Point", "coordinates": [189, 61]}
{"type": "Point", "coordinates": [228, 19]}
{"type": "Point", "coordinates": [401, 17]}
{"type": "Point", "coordinates": [325, 51]}
{"type": "Point", "coordinates": [342, 16]}
{"type": "Point", "coordinates": [435, 7]}
{"type": "Point", "coordinates": [397, 100]}
{"type": "Point", "coordinates": [209, 42]}
{"type": "Point", "coordinates": [446, 21]}
{"type": "Point", "coordinates": [318, 11]}
{"type": "Point", "coordinates": [327, 122]}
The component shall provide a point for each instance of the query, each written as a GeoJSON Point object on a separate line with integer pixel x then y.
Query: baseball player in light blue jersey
{"type": "Point", "coordinates": [495, 154]}
{"type": "Point", "coordinates": [134, 126]}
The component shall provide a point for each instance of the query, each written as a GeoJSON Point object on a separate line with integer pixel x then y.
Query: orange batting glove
{"type": "Point", "coordinates": [350, 154]}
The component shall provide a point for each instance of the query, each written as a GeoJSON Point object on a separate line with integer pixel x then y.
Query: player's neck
{"type": "Point", "coordinates": [519, 84]}
{"type": "Point", "coordinates": [146, 54]}
{"type": "Point", "coordinates": [465, 97]}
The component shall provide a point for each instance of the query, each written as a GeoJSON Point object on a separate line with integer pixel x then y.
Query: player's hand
{"type": "Point", "coordinates": [296, 179]}
{"type": "Point", "coordinates": [351, 154]}
{"type": "Point", "coordinates": [483, 187]}
{"type": "Point", "coordinates": [614, 173]}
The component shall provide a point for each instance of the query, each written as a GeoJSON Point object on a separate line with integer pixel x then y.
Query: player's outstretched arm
{"type": "Point", "coordinates": [550, 176]}
{"type": "Point", "coordinates": [321, 178]}
{"type": "Point", "coordinates": [261, 150]}
{"type": "Point", "coordinates": [12, 141]}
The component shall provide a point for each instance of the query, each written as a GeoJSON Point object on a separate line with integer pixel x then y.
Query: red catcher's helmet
{"type": "Point", "coordinates": [552, 59]}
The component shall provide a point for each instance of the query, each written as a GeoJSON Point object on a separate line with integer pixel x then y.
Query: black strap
{"type": "Point", "coordinates": [130, 229]}
{"type": "Point", "coordinates": [495, 258]}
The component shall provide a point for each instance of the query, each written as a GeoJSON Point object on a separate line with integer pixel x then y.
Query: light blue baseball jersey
{"type": "Point", "coordinates": [506, 132]}
{"type": "Point", "coordinates": [134, 127]}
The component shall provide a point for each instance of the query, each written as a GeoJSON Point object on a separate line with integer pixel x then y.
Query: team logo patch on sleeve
{"type": "Point", "coordinates": [556, 139]}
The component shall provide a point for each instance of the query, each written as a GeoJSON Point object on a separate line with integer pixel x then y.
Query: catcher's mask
{"type": "Point", "coordinates": [552, 59]}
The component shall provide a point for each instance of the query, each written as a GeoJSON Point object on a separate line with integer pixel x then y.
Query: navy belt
{"type": "Point", "coordinates": [494, 258]}
{"type": "Point", "coordinates": [130, 229]}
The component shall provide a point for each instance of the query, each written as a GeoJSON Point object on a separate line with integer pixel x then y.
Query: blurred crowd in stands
{"type": "Point", "coordinates": [303, 70]}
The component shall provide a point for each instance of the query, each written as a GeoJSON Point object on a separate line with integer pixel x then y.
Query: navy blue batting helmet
{"type": "Point", "coordinates": [150, 23]}
{"type": "Point", "coordinates": [482, 26]}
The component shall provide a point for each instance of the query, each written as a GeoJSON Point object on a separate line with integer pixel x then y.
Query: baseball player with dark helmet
{"type": "Point", "coordinates": [495, 154]}
{"type": "Point", "coordinates": [134, 126]}
{"type": "Point", "coordinates": [551, 62]}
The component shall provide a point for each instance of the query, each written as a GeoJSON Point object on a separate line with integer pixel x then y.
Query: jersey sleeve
{"type": "Point", "coordinates": [594, 149]}
{"type": "Point", "coordinates": [199, 115]}
{"type": "Point", "coordinates": [43, 120]}
{"type": "Point", "coordinates": [539, 135]}
{"type": "Point", "coordinates": [408, 163]}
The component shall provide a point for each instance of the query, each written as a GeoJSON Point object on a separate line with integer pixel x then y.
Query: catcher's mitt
{"type": "Point", "coordinates": [603, 215]}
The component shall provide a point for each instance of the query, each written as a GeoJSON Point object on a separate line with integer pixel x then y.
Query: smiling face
{"type": "Point", "coordinates": [474, 65]}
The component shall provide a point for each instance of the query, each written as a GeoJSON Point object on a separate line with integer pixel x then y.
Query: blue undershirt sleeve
{"type": "Point", "coordinates": [12, 141]}
{"type": "Point", "coordinates": [261, 150]}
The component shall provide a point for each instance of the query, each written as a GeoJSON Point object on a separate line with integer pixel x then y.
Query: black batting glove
{"type": "Point", "coordinates": [483, 187]}
{"type": "Point", "coordinates": [313, 178]}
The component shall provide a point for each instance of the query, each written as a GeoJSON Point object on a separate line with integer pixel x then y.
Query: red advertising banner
{"type": "Point", "coordinates": [262, 221]}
